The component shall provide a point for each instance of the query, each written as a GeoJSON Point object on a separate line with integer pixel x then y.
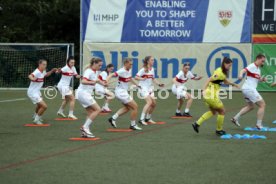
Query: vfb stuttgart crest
{"type": "Point", "coordinates": [225, 17]}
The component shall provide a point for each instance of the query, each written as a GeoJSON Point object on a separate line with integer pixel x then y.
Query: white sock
{"type": "Point", "coordinates": [71, 112]}
{"type": "Point", "coordinates": [143, 116]}
{"type": "Point", "coordinates": [34, 115]}
{"type": "Point", "coordinates": [177, 111]}
{"type": "Point", "coordinates": [259, 122]}
{"type": "Point", "coordinates": [148, 116]}
{"type": "Point", "coordinates": [87, 123]}
{"type": "Point", "coordinates": [106, 105]}
{"type": "Point", "coordinates": [237, 117]}
{"type": "Point", "coordinates": [61, 110]}
{"type": "Point", "coordinates": [115, 116]}
{"type": "Point", "coordinates": [37, 117]}
{"type": "Point", "coordinates": [132, 123]}
{"type": "Point", "coordinates": [187, 110]}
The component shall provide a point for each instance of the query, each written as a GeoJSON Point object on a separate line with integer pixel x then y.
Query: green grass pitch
{"type": "Point", "coordinates": [163, 154]}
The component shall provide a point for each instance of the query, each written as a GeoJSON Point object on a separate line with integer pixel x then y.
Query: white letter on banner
{"type": "Point", "coordinates": [268, 10]}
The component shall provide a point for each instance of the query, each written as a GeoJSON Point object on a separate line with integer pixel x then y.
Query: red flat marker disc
{"type": "Point", "coordinates": [180, 117]}
{"type": "Point", "coordinates": [65, 119]}
{"type": "Point", "coordinates": [157, 123]}
{"type": "Point", "coordinates": [119, 130]}
{"type": "Point", "coordinates": [103, 113]}
{"type": "Point", "coordinates": [35, 125]}
{"type": "Point", "coordinates": [84, 139]}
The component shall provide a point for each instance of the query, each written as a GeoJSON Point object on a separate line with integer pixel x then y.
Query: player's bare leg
{"type": "Point", "coordinates": [133, 115]}
{"type": "Point", "coordinates": [120, 112]}
{"type": "Point", "coordinates": [249, 107]}
{"type": "Point", "coordinates": [179, 106]}
{"type": "Point", "coordinates": [145, 110]}
{"type": "Point", "coordinates": [92, 112]}
{"type": "Point", "coordinates": [108, 98]}
{"type": "Point", "coordinates": [36, 111]}
{"type": "Point", "coordinates": [188, 105]}
{"type": "Point", "coordinates": [260, 113]}
{"type": "Point", "coordinates": [42, 106]}
{"type": "Point", "coordinates": [150, 111]}
{"type": "Point", "coordinates": [71, 100]}
{"type": "Point", "coordinates": [62, 107]}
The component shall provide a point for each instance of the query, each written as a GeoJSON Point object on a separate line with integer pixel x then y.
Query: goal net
{"type": "Point", "coordinates": [17, 61]}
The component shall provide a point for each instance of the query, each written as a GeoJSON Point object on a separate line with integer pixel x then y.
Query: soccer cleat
{"type": "Point", "coordinates": [142, 122]}
{"type": "Point", "coordinates": [220, 132]}
{"type": "Point", "coordinates": [112, 122]}
{"type": "Point", "coordinates": [37, 122]}
{"type": "Point", "coordinates": [135, 127]}
{"type": "Point", "coordinates": [259, 127]}
{"type": "Point", "coordinates": [150, 121]}
{"type": "Point", "coordinates": [39, 118]}
{"type": "Point", "coordinates": [71, 116]}
{"type": "Point", "coordinates": [187, 114]}
{"type": "Point", "coordinates": [235, 122]}
{"type": "Point", "coordinates": [196, 127]}
{"type": "Point", "coordinates": [61, 114]}
{"type": "Point", "coordinates": [85, 133]}
{"type": "Point", "coordinates": [178, 114]}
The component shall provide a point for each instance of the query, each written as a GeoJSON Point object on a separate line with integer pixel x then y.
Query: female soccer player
{"type": "Point", "coordinates": [84, 94]}
{"type": "Point", "coordinates": [100, 89]}
{"type": "Point", "coordinates": [63, 86]}
{"type": "Point", "coordinates": [121, 93]}
{"type": "Point", "coordinates": [179, 89]}
{"type": "Point", "coordinates": [250, 93]}
{"type": "Point", "coordinates": [211, 96]}
{"type": "Point", "coordinates": [37, 79]}
{"type": "Point", "coordinates": [146, 78]}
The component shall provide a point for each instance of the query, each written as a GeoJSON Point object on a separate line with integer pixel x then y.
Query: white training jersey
{"type": "Point", "coordinates": [102, 76]}
{"type": "Point", "coordinates": [181, 77]}
{"type": "Point", "coordinates": [67, 73]}
{"type": "Point", "coordinates": [253, 75]}
{"type": "Point", "coordinates": [148, 76]}
{"type": "Point", "coordinates": [89, 75]}
{"type": "Point", "coordinates": [124, 77]}
{"type": "Point", "coordinates": [36, 85]}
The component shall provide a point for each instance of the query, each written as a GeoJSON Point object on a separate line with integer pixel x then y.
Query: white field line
{"type": "Point", "coordinates": [13, 100]}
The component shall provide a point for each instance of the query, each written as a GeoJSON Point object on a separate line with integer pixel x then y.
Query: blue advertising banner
{"type": "Point", "coordinates": [166, 21]}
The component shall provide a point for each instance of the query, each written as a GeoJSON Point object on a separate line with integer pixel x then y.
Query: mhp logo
{"type": "Point", "coordinates": [215, 59]}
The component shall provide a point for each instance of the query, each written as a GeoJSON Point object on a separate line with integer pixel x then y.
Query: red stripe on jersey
{"type": "Point", "coordinates": [122, 79]}
{"type": "Point", "coordinates": [67, 73]}
{"type": "Point", "coordinates": [39, 80]}
{"type": "Point", "coordinates": [147, 76]}
{"type": "Point", "coordinates": [253, 75]}
{"type": "Point", "coordinates": [101, 78]}
{"type": "Point", "coordinates": [86, 79]}
{"type": "Point", "coordinates": [116, 74]}
{"type": "Point", "coordinates": [180, 80]}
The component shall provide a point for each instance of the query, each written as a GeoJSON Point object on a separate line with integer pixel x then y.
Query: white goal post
{"type": "Point", "coordinates": [18, 60]}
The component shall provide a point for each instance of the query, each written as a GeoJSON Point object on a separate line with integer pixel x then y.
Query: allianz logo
{"type": "Point", "coordinates": [168, 67]}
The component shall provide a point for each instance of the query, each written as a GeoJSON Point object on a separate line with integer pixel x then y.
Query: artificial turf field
{"type": "Point", "coordinates": [169, 153]}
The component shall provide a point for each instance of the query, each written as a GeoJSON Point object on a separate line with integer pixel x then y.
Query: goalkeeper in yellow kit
{"type": "Point", "coordinates": [211, 96]}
